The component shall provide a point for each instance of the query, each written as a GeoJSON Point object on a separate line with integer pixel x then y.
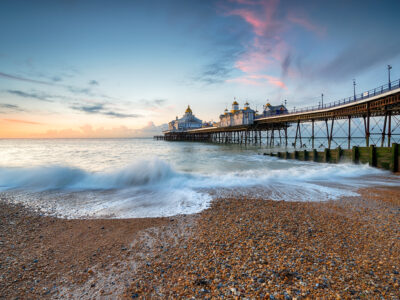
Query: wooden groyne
{"type": "Point", "coordinates": [387, 158]}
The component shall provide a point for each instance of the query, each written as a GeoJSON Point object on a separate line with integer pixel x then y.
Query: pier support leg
{"type": "Point", "coordinates": [384, 130]}
{"type": "Point", "coordinates": [312, 133]}
{"type": "Point", "coordinates": [301, 141]}
{"type": "Point", "coordinates": [331, 136]}
{"type": "Point", "coordinates": [272, 138]}
{"type": "Point", "coordinates": [280, 138]}
{"type": "Point", "coordinates": [389, 134]}
{"type": "Point", "coordinates": [297, 129]}
{"type": "Point", "coordinates": [285, 135]}
{"type": "Point", "coordinates": [349, 135]}
{"type": "Point", "coordinates": [327, 130]}
{"type": "Point", "coordinates": [366, 126]}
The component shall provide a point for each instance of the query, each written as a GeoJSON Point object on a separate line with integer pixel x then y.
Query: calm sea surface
{"type": "Point", "coordinates": [123, 178]}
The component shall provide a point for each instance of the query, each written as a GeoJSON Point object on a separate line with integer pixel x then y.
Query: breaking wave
{"type": "Point", "coordinates": [153, 188]}
{"type": "Point", "coordinates": [149, 172]}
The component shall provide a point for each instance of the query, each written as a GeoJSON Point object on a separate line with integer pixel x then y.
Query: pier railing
{"type": "Point", "coordinates": [358, 97]}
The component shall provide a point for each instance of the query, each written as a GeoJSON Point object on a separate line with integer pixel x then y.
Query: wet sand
{"type": "Point", "coordinates": [238, 248]}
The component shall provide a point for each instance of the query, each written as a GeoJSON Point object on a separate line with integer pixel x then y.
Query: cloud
{"type": "Point", "coordinates": [160, 101]}
{"type": "Point", "coordinates": [306, 24]}
{"type": "Point", "coordinates": [56, 78]}
{"type": "Point", "coordinates": [268, 51]}
{"type": "Point", "coordinates": [22, 121]}
{"type": "Point", "coordinates": [77, 90]}
{"type": "Point", "coordinates": [259, 80]}
{"type": "Point", "coordinates": [87, 131]}
{"type": "Point", "coordinates": [155, 103]}
{"type": "Point", "coordinates": [33, 95]}
{"type": "Point", "coordinates": [19, 78]}
{"type": "Point", "coordinates": [285, 65]}
{"type": "Point", "coordinates": [100, 108]}
{"type": "Point", "coordinates": [11, 107]}
{"type": "Point", "coordinates": [214, 73]}
{"type": "Point", "coordinates": [357, 58]}
{"type": "Point", "coordinates": [54, 82]}
{"type": "Point", "coordinates": [93, 82]}
{"type": "Point", "coordinates": [267, 46]}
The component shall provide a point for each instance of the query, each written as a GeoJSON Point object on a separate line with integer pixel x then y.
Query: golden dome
{"type": "Point", "coordinates": [188, 110]}
{"type": "Point", "coordinates": [235, 103]}
{"type": "Point", "coordinates": [268, 104]}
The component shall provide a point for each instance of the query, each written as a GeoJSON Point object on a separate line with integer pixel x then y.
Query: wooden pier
{"type": "Point", "coordinates": [370, 118]}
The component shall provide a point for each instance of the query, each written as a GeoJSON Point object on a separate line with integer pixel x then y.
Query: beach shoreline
{"type": "Point", "coordinates": [238, 247]}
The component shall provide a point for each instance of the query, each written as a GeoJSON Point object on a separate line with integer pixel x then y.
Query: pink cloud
{"type": "Point", "coordinates": [251, 18]}
{"type": "Point", "coordinates": [305, 23]}
{"type": "Point", "coordinates": [259, 80]}
{"type": "Point", "coordinates": [253, 61]}
{"type": "Point", "coordinates": [268, 50]}
{"type": "Point", "coordinates": [261, 19]}
{"type": "Point", "coordinates": [262, 56]}
{"type": "Point", "coordinates": [87, 131]}
{"type": "Point", "coordinates": [22, 121]}
{"type": "Point", "coordinates": [247, 2]}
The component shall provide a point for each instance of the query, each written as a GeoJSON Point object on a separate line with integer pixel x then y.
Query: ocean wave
{"type": "Point", "coordinates": [141, 173]}
{"type": "Point", "coordinates": [153, 188]}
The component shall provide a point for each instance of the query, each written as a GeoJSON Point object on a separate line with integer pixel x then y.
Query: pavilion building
{"type": "Point", "coordinates": [237, 116]}
{"type": "Point", "coordinates": [187, 122]}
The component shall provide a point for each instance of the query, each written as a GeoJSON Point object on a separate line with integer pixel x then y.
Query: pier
{"type": "Point", "coordinates": [368, 118]}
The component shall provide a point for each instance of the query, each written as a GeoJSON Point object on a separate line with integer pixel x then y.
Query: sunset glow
{"type": "Point", "coordinates": [69, 70]}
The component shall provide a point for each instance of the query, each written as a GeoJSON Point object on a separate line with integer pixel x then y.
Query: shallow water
{"type": "Point", "coordinates": [123, 178]}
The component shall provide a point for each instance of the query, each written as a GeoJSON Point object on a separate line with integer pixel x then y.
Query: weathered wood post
{"type": "Point", "coordinates": [339, 154]}
{"type": "Point", "coordinates": [305, 155]}
{"type": "Point", "coordinates": [394, 163]}
{"type": "Point", "coordinates": [315, 155]}
{"type": "Point", "coordinates": [326, 155]}
{"type": "Point", "coordinates": [296, 154]}
{"type": "Point", "coordinates": [355, 154]}
{"type": "Point", "coordinates": [372, 156]}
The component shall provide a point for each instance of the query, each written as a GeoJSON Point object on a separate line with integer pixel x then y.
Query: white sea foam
{"type": "Point", "coordinates": [152, 188]}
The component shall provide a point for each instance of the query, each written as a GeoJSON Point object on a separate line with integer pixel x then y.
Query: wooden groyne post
{"type": "Point", "coordinates": [387, 158]}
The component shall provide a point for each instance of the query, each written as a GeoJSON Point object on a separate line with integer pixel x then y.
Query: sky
{"type": "Point", "coordinates": [122, 68]}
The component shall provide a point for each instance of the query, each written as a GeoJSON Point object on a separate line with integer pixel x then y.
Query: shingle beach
{"type": "Point", "coordinates": [238, 248]}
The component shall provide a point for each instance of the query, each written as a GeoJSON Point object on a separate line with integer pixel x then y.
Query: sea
{"type": "Point", "coordinates": [140, 178]}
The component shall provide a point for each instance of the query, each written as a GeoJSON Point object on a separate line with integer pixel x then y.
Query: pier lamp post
{"type": "Point", "coordinates": [389, 68]}
{"type": "Point", "coordinates": [322, 100]}
{"type": "Point", "coordinates": [354, 88]}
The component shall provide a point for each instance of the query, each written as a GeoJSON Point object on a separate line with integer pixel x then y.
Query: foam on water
{"type": "Point", "coordinates": [153, 187]}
